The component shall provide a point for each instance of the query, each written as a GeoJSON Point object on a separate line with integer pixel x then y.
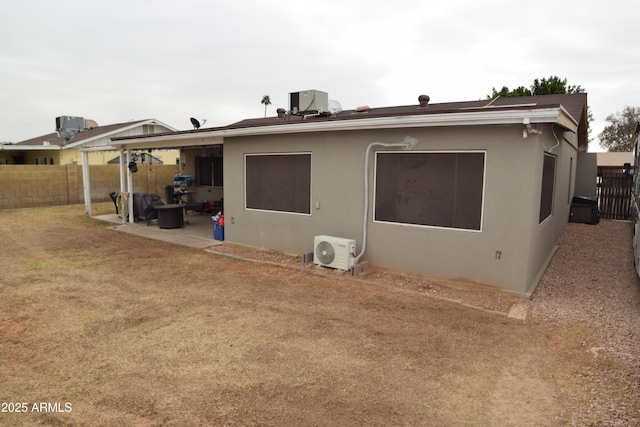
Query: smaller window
{"type": "Point", "coordinates": [548, 181]}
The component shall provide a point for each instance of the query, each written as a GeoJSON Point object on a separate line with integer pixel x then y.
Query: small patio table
{"type": "Point", "coordinates": [170, 216]}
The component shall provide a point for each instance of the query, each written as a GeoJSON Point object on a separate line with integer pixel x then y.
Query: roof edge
{"type": "Point", "coordinates": [556, 114]}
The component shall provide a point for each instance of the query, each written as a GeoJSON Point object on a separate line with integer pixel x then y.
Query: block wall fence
{"type": "Point", "coordinates": [28, 186]}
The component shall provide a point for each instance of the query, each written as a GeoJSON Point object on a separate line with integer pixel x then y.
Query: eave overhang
{"type": "Point", "coordinates": [473, 117]}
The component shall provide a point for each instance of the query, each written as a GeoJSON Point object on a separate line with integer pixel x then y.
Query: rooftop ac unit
{"type": "Point", "coordinates": [68, 126]}
{"type": "Point", "coordinates": [334, 252]}
{"type": "Point", "coordinates": [309, 101]}
{"type": "Point", "coordinates": [70, 122]}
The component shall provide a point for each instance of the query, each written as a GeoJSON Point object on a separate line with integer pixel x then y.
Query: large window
{"type": "Point", "coordinates": [209, 171]}
{"type": "Point", "coordinates": [278, 182]}
{"type": "Point", "coordinates": [440, 189]}
{"type": "Point", "coordinates": [548, 180]}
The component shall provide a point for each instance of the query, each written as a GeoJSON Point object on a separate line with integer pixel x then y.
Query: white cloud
{"type": "Point", "coordinates": [116, 61]}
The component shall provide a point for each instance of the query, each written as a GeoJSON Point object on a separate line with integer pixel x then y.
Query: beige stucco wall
{"type": "Point", "coordinates": [586, 175]}
{"type": "Point", "coordinates": [511, 204]}
{"type": "Point", "coordinates": [72, 156]}
{"type": "Point", "coordinates": [25, 186]}
{"type": "Point", "coordinates": [168, 157]}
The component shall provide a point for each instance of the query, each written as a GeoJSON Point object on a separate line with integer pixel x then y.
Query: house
{"type": "Point", "coordinates": [614, 184]}
{"type": "Point", "coordinates": [51, 149]}
{"type": "Point", "coordinates": [475, 192]}
{"type": "Point", "coordinates": [614, 161]}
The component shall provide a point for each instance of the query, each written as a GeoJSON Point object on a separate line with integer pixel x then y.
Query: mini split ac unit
{"type": "Point", "coordinates": [334, 252]}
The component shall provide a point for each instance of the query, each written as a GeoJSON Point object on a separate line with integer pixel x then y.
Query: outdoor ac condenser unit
{"type": "Point", "coordinates": [309, 101]}
{"type": "Point", "coordinates": [334, 252]}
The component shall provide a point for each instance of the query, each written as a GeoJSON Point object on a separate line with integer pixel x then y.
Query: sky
{"type": "Point", "coordinates": [116, 61]}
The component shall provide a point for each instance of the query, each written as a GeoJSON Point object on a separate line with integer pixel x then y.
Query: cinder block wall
{"type": "Point", "coordinates": [27, 186]}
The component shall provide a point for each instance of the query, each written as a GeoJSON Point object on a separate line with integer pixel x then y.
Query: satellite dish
{"type": "Point", "coordinates": [90, 124]}
{"type": "Point", "coordinates": [334, 107]}
{"type": "Point", "coordinates": [196, 124]}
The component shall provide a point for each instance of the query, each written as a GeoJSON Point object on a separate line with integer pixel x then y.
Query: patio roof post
{"type": "Point", "coordinates": [130, 188]}
{"type": "Point", "coordinates": [122, 177]}
{"type": "Point", "coordinates": [123, 188]}
{"type": "Point", "coordinates": [86, 182]}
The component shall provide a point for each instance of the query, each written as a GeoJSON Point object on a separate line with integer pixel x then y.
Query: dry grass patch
{"type": "Point", "coordinates": [137, 332]}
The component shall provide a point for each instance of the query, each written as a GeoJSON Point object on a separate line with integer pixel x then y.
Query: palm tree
{"type": "Point", "coordinates": [266, 101]}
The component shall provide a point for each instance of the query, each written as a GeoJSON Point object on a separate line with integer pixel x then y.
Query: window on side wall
{"type": "Point", "coordinates": [437, 189]}
{"type": "Point", "coordinates": [548, 182]}
{"type": "Point", "coordinates": [209, 171]}
{"type": "Point", "coordinates": [278, 182]}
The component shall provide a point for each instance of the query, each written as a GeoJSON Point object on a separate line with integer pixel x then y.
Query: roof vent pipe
{"type": "Point", "coordinates": [423, 100]}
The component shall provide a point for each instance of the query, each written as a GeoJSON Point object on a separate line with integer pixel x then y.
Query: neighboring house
{"type": "Point", "coordinates": [481, 198]}
{"type": "Point", "coordinates": [614, 184]}
{"type": "Point", "coordinates": [50, 149]}
{"type": "Point", "coordinates": [614, 161]}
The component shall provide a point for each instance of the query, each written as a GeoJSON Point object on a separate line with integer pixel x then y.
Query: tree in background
{"type": "Point", "coordinates": [266, 100]}
{"type": "Point", "coordinates": [506, 93]}
{"type": "Point", "coordinates": [619, 135]}
{"type": "Point", "coordinates": [545, 86]}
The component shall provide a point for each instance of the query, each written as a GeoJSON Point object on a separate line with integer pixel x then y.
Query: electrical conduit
{"type": "Point", "coordinates": [407, 143]}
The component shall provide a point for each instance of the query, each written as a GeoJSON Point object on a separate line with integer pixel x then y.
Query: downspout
{"type": "Point", "coordinates": [407, 144]}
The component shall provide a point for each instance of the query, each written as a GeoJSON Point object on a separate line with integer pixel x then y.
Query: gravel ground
{"type": "Point", "coordinates": [591, 281]}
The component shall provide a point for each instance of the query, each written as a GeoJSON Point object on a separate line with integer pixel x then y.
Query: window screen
{"type": "Point", "coordinates": [278, 182]}
{"type": "Point", "coordinates": [433, 189]}
{"type": "Point", "coordinates": [548, 179]}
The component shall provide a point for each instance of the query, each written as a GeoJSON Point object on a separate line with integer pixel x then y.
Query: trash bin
{"type": "Point", "coordinates": [584, 210]}
{"type": "Point", "coordinates": [168, 194]}
{"type": "Point", "coordinates": [218, 227]}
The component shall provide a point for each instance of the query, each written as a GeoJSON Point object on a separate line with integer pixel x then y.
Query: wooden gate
{"type": "Point", "coordinates": [614, 195]}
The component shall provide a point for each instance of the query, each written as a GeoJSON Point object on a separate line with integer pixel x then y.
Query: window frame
{"type": "Point", "coordinates": [440, 227]}
{"type": "Point", "coordinates": [214, 172]}
{"type": "Point", "coordinates": [294, 153]}
{"type": "Point", "coordinates": [550, 198]}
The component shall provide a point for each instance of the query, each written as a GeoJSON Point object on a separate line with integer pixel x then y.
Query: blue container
{"type": "Point", "coordinates": [218, 231]}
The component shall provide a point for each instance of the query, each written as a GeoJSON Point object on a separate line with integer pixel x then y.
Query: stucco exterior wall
{"type": "Point", "coordinates": [511, 204]}
{"type": "Point", "coordinates": [586, 175]}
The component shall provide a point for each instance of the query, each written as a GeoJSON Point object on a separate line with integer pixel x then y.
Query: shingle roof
{"type": "Point", "coordinates": [575, 104]}
{"type": "Point", "coordinates": [54, 139]}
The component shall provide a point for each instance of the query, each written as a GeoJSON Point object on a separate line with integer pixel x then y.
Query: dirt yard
{"type": "Point", "coordinates": [101, 328]}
